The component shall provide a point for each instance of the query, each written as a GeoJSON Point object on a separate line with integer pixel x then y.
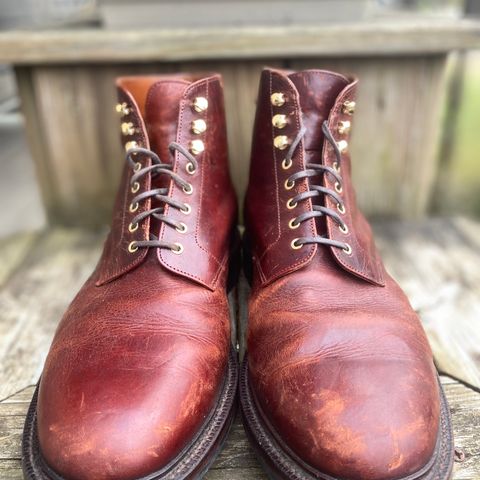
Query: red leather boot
{"type": "Point", "coordinates": [140, 378]}
{"type": "Point", "coordinates": [339, 380]}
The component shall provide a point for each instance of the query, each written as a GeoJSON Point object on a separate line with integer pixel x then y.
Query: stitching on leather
{"type": "Point", "coordinates": [274, 155]}
{"type": "Point", "coordinates": [117, 272]}
{"type": "Point", "coordinates": [202, 182]}
{"type": "Point", "coordinates": [163, 260]}
{"type": "Point", "coordinates": [375, 276]}
{"type": "Point", "coordinates": [313, 250]}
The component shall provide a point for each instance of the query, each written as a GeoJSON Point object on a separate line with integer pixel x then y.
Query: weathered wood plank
{"type": "Point", "coordinates": [237, 460]}
{"type": "Point", "coordinates": [33, 301]}
{"type": "Point", "coordinates": [437, 264]}
{"type": "Point", "coordinates": [373, 38]}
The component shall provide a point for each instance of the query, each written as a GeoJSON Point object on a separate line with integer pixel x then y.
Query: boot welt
{"type": "Point", "coordinates": [281, 464]}
{"type": "Point", "coordinates": [192, 463]}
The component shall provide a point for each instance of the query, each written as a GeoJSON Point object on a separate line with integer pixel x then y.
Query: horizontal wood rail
{"type": "Point", "coordinates": [359, 39]}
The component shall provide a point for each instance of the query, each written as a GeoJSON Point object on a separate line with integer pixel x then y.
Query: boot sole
{"type": "Point", "coordinates": [281, 465]}
{"type": "Point", "coordinates": [192, 463]}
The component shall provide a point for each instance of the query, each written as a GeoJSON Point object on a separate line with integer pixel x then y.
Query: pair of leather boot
{"type": "Point", "coordinates": [338, 381]}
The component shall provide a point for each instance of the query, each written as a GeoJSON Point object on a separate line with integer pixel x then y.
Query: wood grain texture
{"type": "Point", "coordinates": [75, 136]}
{"type": "Point", "coordinates": [372, 38]}
{"type": "Point", "coordinates": [436, 262]}
{"type": "Point", "coordinates": [237, 460]}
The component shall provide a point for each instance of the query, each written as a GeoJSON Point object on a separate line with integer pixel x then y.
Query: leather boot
{"type": "Point", "coordinates": [140, 378]}
{"type": "Point", "coordinates": [339, 380]}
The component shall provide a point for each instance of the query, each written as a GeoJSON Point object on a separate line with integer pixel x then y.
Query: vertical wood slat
{"type": "Point", "coordinates": [74, 132]}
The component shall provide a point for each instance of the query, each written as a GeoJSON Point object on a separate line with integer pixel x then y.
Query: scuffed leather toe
{"type": "Point", "coordinates": [121, 406]}
{"type": "Point", "coordinates": [352, 394]}
{"type": "Point", "coordinates": [382, 434]}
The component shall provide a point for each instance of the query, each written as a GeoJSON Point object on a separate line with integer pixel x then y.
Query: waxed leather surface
{"type": "Point", "coordinates": [140, 356]}
{"type": "Point", "coordinates": [339, 364]}
{"type": "Point", "coordinates": [321, 95]}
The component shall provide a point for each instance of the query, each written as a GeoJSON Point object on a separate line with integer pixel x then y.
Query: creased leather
{"type": "Point", "coordinates": [140, 356]}
{"type": "Point", "coordinates": [340, 367]}
{"type": "Point", "coordinates": [312, 97]}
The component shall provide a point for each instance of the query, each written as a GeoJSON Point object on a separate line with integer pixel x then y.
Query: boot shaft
{"type": "Point", "coordinates": [157, 112]}
{"type": "Point", "coordinates": [300, 164]}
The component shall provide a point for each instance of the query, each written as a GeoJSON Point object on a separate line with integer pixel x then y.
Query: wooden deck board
{"type": "Point", "coordinates": [436, 262]}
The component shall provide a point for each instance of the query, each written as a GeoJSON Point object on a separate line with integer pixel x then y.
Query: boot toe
{"type": "Point", "coordinates": [124, 406]}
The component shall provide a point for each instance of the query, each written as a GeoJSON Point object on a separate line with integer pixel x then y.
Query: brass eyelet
{"type": "Point", "coordinates": [137, 167]}
{"type": "Point", "coordinates": [279, 121]}
{"type": "Point", "coordinates": [343, 127]}
{"type": "Point", "coordinates": [196, 147]}
{"type": "Point", "coordinates": [291, 204]}
{"type": "Point", "coordinates": [338, 187]}
{"type": "Point", "coordinates": [343, 228]}
{"type": "Point", "coordinates": [348, 107]}
{"type": "Point", "coordinates": [130, 145]}
{"type": "Point", "coordinates": [278, 99]}
{"type": "Point", "coordinates": [286, 165]}
{"type": "Point", "coordinates": [122, 109]}
{"type": "Point", "coordinates": [342, 146]}
{"type": "Point", "coordinates": [127, 128]}
{"type": "Point", "coordinates": [289, 184]}
{"type": "Point", "coordinates": [187, 209]}
{"type": "Point", "coordinates": [133, 207]}
{"type": "Point", "coordinates": [188, 189]}
{"type": "Point", "coordinates": [135, 187]}
{"type": "Point", "coordinates": [347, 249]}
{"type": "Point", "coordinates": [182, 228]}
{"type": "Point", "coordinates": [341, 208]}
{"type": "Point", "coordinates": [190, 168]}
{"type": "Point", "coordinates": [132, 247]}
{"type": "Point", "coordinates": [336, 166]}
{"type": "Point", "coordinates": [293, 224]}
{"type": "Point", "coordinates": [200, 104]}
{"type": "Point", "coordinates": [281, 142]}
{"type": "Point", "coordinates": [295, 245]}
{"type": "Point", "coordinates": [199, 126]}
{"type": "Point", "coordinates": [133, 227]}
{"type": "Point", "coordinates": [178, 250]}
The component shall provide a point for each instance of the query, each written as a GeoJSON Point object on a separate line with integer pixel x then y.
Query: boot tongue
{"type": "Point", "coordinates": [318, 91]}
{"type": "Point", "coordinates": [162, 106]}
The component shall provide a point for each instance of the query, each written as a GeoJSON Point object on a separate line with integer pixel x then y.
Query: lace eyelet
{"type": "Point", "coordinates": [182, 228]}
{"type": "Point", "coordinates": [135, 187]}
{"type": "Point", "coordinates": [336, 166]}
{"type": "Point", "coordinates": [289, 184]}
{"type": "Point", "coordinates": [286, 165]}
{"type": "Point", "coordinates": [343, 228]}
{"type": "Point", "coordinates": [133, 207]}
{"type": "Point", "coordinates": [188, 189]}
{"type": "Point", "coordinates": [347, 249]}
{"type": "Point", "coordinates": [137, 166]}
{"type": "Point", "coordinates": [295, 245]}
{"type": "Point", "coordinates": [291, 204]}
{"type": "Point", "coordinates": [133, 227]}
{"type": "Point", "coordinates": [190, 168]}
{"type": "Point", "coordinates": [132, 247]}
{"type": "Point", "coordinates": [338, 187]}
{"type": "Point", "coordinates": [293, 224]}
{"type": "Point", "coordinates": [341, 208]}
{"type": "Point", "coordinates": [187, 209]}
{"type": "Point", "coordinates": [178, 250]}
